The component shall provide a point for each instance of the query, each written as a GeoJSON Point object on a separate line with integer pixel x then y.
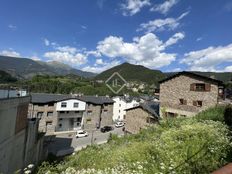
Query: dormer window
{"type": "Point", "coordinates": [63, 104]}
{"type": "Point", "coordinates": [75, 105]}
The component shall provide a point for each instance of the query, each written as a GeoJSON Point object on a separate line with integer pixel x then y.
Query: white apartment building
{"type": "Point", "coordinates": [121, 103]}
{"type": "Point", "coordinates": [70, 114]}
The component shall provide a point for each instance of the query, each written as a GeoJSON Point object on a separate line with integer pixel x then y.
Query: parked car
{"type": "Point", "coordinates": [106, 129]}
{"type": "Point", "coordinates": [119, 124]}
{"type": "Point", "coordinates": [81, 133]}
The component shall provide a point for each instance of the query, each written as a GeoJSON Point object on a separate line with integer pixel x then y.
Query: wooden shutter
{"type": "Point", "coordinates": [192, 87]}
{"type": "Point", "coordinates": [207, 87]}
{"type": "Point", "coordinates": [194, 103]}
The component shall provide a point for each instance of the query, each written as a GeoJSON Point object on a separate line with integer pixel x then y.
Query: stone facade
{"type": "Point", "coordinates": [47, 114]}
{"type": "Point", "coordinates": [177, 98]}
{"type": "Point", "coordinates": [137, 119]}
{"type": "Point", "coordinates": [97, 116]}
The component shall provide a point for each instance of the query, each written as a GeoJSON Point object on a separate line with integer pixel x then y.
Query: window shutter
{"type": "Point", "coordinates": [194, 103]}
{"type": "Point", "coordinates": [192, 87]}
{"type": "Point", "coordinates": [207, 87]}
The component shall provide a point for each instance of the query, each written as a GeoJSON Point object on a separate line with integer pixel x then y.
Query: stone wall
{"type": "Point", "coordinates": [179, 88]}
{"type": "Point", "coordinates": [107, 115]}
{"type": "Point", "coordinates": [137, 119]}
{"type": "Point", "coordinates": [91, 120]}
{"type": "Point", "coordinates": [47, 123]}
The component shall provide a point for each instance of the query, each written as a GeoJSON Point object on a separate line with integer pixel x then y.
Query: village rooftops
{"type": "Point", "coordinates": [192, 74]}
{"type": "Point", "coordinates": [150, 107]}
{"type": "Point", "coordinates": [52, 98]}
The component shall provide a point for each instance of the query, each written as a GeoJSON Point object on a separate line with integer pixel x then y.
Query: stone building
{"type": "Point", "coordinates": [43, 106]}
{"type": "Point", "coordinates": [187, 93]}
{"type": "Point", "coordinates": [98, 111]}
{"type": "Point", "coordinates": [141, 116]}
{"type": "Point", "coordinates": [20, 143]}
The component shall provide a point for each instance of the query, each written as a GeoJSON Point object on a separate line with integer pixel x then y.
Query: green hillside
{"type": "Point", "coordinates": [197, 145]}
{"type": "Point", "coordinates": [6, 77]}
{"type": "Point", "coordinates": [132, 72]}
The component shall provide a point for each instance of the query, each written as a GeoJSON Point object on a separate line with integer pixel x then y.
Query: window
{"type": "Point", "coordinates": [89, 112]}
{"type": "Point", "coordinates": [75, 105]}
{"type": "Point", "coordinates": [200, 87]}
{"type": "Point", "coordinates": [49, 114]}
{"type": "Point", "coordinates": [60, 125]}
{"type": "Point", "coordinates": [119, 105]}
{"type": "Point", "coordinates": [124, 117]}
{"type": "Point", "coordinates": [67, 112]}
{"type": "Point", "coordinates": [77, 112]}
{"type": "Point", "coordinates": [197, 103]}
{"type": "Point", "coordinates": [182, 101]}
{"type": "Point", "coordinates": [105, 111]}
{"type": "Point", "coordinates": [63, 104]}
{"type": "Point", "coordinates": [62, 112]}
{"type": "Point", "coordinates": [119, 111]}
{"type": "Point", "coordinates": [60, 119]}
{"type": "Point", "coordinates": [39, 114]}
{"type": "Point", "coordinates": [40, 104]}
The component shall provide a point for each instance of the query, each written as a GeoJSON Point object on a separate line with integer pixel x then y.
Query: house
{"type": "Point", "coordinates": [20, 142]}
{"type": "Point", "coordinates": [43, 106]}
{"type": "Point", "coordinates": [70, 114]}
{"type": "Point", "coordinates": [98, 112]}
{"type": "Point", "coordinates": [67, 113]}
{"type": "Point", "coordinates": [187, 93]}
{"type": "Point", "coordinates": [120, 104]}
{"type": "Point", "coordinates": [141, 116]}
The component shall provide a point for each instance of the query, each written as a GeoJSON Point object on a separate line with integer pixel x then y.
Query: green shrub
{"type": "Point", "coordinates": [228, 115]}
{"type": "Point", "coordinates": [177, 146]}
{"type": "Point", "coordinates": [215, 114]}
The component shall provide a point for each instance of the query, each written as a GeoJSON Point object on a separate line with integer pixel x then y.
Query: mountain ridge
{"type": "Point", "coordinates": [24, 68]}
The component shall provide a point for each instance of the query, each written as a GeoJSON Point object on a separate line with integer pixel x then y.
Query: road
{"type": "Point", "coordinates": [67, 143]}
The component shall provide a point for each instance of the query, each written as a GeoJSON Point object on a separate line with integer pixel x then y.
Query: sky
{"type": "Point", "coordinates": [95, 35]}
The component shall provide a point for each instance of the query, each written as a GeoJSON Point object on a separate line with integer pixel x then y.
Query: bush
{"type": "Point", "coordinates": [177, 146]}
{"type": "Point", "coordinates": [228, 115]}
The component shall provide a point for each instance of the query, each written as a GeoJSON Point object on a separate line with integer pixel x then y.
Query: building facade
{"type": "Point", "coordinates": [186, 94]}
{"type": "Point", "coordinates": [141, 116]}
{"type": "Point", "coordinates": [69, 113]}
{"type": "Point", "coordinates": [121, 103]}
{"type": "Point", "coordinates": [20, 144]}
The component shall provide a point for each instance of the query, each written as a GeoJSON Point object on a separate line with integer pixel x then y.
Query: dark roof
{"type": "Point", "coordinates": [47, 98]}
{"type": "Point", "coordinates": [187, 73]}
{"type": "Point", "coordinates": [129, 98]}
{"type": "Point", "coordinates": [52, 98]}
{"type": "Point", "coordinates": [150, 107]}
{"type": "Point", "coordinates": [96, 99]}
{"type": "Point", "coordinates": [149, 98]}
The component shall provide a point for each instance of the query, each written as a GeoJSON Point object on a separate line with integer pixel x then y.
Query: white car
{"type": "Point", "coordinates": [119, 124]}
{"type": "Point", "coordinates": [81, 133]}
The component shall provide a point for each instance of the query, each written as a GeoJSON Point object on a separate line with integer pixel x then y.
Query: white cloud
{"type": "Point", "coordinates": [94, 53]}
{"type": "Point", "coordinates": [12, 27]}
{"type": "Point", "coordinates": [199, 39]}
{"type": "Point", "coordinates": [147, 50]}
{"type": "Point", "coordinates": [164, 7]}
{"type": "Point", "coordinates": [208, 59]}
{"type": "Point", "coordinates": [98, 69]}
{"type": "Point", "coordinates": [228, 69]}
{"type": "Point", "coordinates": [99, 62]}
{"type": "Point", "coordinates": [161, 24]}
{"type": "Point", "coordinates": [10, 53]}
{"type": "Point", "coordinates": [67, 54]}
{"type": "Point", "coordinates": [131, 7]}
{"type": "Point", "coordinates": [35, 58]}
{"type": "Point", "coordinates": [46, 42]}
{"type": "Point", "coordinates": [83, 27]}
{"type": "Point", "coordinates": [174, 39]}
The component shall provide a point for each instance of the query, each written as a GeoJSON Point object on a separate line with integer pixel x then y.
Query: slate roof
{"type": "Point", "coordinates": [191, 74]}
{"type": "Point", "coordinates": [96, 99]}
{"type": "Point", "coordinates": [52, 98]}
{"type": "Point", "coordinates": [150, 107]}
